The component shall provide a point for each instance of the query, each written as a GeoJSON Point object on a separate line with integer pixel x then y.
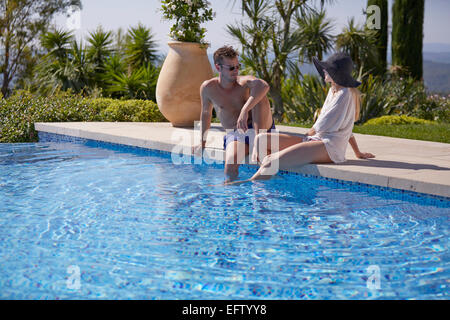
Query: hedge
{"type": "Point", "coordinates": [395, 120]}
{"type": "Point", "coordinates": [19, 112]}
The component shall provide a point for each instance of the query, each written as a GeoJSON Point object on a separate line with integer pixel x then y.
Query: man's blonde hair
{"type": "Point", "coordinates": [224, 52]}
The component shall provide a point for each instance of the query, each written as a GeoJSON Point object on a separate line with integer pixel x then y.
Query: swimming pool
{"type": "Point", "coordinates": [89, 220]}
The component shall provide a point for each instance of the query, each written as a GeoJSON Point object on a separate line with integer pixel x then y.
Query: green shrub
{"type": "Point", "coordinates": [302, 98]}
{"type": "Point", "coordinates": [403, 96]}
{"type": "Point", "coordinates": [126, 110]}
{"type": "Point", "coordinates": [396, 120]}
{"type": "Point", "coordinates": [440, 107]}
{"type": "Point", "coordinates": [375, 99]}
{"type": "Point", "coordinates": [19, 112]}
{"type": "Point", "coordinates": [379, 97]}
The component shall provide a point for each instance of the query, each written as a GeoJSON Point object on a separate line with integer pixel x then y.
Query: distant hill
{"type": "Point", "coordinates": [436, 47]}
{"type": "Point", "coordinates": [436, 69]}
{"type": "Point", "coordinates": [442, 57]}
{"type": "Point", "coordinates": [437, 76]}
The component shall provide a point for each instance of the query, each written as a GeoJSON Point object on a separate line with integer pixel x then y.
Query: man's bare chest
{"type": "Point", "coordinates": [230, 101]}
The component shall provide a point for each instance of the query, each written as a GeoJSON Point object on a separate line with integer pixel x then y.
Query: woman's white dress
{"type": "Point", "coordinates": [335, 123]}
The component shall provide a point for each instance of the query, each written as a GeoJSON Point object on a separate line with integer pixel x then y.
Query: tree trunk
{"type": "Point", "coordinates": [5, 67]}
{"type": "Point", "coordinates": [278, 109]}
{"type": "Point", "coordinates": [6, 78]}
{"type": "Point", "coordinates": [5, 85]}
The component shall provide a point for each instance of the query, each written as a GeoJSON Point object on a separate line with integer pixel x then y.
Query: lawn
{"type": "Point", "coordinates": [438, 132]}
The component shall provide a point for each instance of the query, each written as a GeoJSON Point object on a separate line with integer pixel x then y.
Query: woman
{"type": "Point", "coordinates": [327, 140]}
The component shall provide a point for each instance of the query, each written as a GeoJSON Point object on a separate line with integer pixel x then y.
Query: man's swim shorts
{"type": "Point", "coordinates": [235, 135]}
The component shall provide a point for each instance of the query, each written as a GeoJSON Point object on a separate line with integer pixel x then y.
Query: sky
{"type": "Point", "coordinates": [114, 14]}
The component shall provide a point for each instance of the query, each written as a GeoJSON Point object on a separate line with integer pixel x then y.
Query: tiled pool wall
{"type": "Point", "coordinates": [392, 193]}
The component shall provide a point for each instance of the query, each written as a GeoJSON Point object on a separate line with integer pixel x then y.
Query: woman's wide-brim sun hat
{"type": "Point", "coordinates": [339, 66]}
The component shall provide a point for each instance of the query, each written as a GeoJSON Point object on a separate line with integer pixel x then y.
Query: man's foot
{"type": "Point", "coordinates": [229, 180]}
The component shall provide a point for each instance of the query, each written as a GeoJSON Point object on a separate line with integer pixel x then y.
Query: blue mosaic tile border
{"type": "Point", "coordinates": [398, 194]}
{"type": "Point", "coordinates": [54, 137]}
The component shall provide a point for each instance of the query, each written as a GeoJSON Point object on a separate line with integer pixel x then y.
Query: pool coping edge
{"type": "Point", "coordinates": [330, 171]}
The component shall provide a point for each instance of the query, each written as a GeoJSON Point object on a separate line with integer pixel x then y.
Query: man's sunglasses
{"type": "Point", "coordinates": [231, 68]}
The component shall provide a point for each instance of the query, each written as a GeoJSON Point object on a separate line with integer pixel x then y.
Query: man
{"type": "Point", "coordinates": [233, 97]}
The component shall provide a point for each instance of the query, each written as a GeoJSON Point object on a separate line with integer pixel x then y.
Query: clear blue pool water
{"type": "Point", "coordinates": [135, 226]}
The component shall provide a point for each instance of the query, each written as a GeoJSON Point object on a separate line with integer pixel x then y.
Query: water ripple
{"type": "Point", "coordinates": [140, 227]}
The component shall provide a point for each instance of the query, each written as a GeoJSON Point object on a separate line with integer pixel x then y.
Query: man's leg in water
{"type": "Point", "coordinates": [234, 155]}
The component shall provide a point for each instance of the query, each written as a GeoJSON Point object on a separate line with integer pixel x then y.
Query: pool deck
{"type": "Point", "coordinates": [413, 165]}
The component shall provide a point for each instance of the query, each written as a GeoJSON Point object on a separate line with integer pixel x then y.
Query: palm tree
{"type": "Point", "coordinates": [150, 78]}
{"type": "Point", "coordinates": [272, 30]}
{"type": "Point", "coordinates": [119, 46]}
{"type": "Point", "coordinates": [57, 43]}
{"type": "Point", "coordinates": [359, 43]}
{"type": "Point", "coordinates": [114, 65]}
{"type": "Point", "coordinates": [98, 52]}
{"type": "Point", "coordinates": [140, 47]}
{"type": "Point", "coordinates": [49, 73]}
{"type": "Point", "coordinates": [79, 69]}
{"type": "Point", "coordinates": [65, 65]}
{"type": "Point", "coordinates": [100, 46]}
{"type": "Point", "coordinates": [68, 64]}
{"type": "Point", "coordinates": [129, 85]}
{"type": "Point", "coordinates": [316, 32]}
{"type": "Point", "coordinates": [139, 84]}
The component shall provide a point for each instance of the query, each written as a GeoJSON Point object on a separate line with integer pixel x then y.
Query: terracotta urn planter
{"type": "Point", "coordinates": [178, 87]}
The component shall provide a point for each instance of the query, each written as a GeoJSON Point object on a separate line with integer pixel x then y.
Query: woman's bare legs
{"type": "Point", "coordinates": [284, 141]}
{"type": "Point", "coordinates": [291, 157]}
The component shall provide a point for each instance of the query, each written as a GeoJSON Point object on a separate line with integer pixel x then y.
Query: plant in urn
{"type": "Point", "coordinates": [186, 65]}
